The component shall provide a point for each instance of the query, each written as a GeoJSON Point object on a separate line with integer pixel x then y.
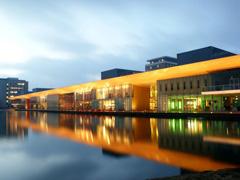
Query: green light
{"type": "Point", "coordinates": [195, 104]}
{"type": "Point", "coordinates": [172, 105]}
{"type": "Point", "coordinates": [179, 105]}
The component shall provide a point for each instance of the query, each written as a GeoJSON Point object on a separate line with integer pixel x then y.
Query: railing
{"type": "Point", "coordinates": [223, 87]}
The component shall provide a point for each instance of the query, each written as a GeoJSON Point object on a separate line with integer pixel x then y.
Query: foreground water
{"type": "Point", "coordinates": [65, 146]}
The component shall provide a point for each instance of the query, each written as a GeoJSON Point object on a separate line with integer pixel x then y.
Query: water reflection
{"type": "Point", "coordinates": [191, 144]}
{"type": "Point", "coordinates": [8, 128]}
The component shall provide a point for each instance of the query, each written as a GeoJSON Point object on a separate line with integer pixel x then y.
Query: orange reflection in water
{"type": "Point", "coordinates": [131, 136]}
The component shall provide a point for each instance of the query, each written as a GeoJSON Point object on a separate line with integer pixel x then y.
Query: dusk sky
{"type": "Point", "coordinates": [54, 43]}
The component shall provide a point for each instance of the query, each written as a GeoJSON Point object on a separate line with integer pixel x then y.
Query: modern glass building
{"type": "Point", "coordinates": [207, 86]}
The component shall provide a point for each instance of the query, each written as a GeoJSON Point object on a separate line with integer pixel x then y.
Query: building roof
{"type": "Point", "coordinates": [166, 58]}
{"type": "Point", "coordinates": [119, 69]}
{"type": "Point", "coordinates": [205, 48]}
{"type": "Point", "coordinates": [150, 77]}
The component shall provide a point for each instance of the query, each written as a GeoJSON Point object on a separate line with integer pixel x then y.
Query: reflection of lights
{"type": "Point", "coordinates": [109, 122]}
{"type": "Point", "coordinates": [84, 134]}
{"type": "Point", "coordinates": [106, 135]}
{"type": "Point", "coordinates": [43, 122]}
{"type": "Point", "coordinates": [194, 126]}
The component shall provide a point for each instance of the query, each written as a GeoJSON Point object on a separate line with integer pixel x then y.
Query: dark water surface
{"type": "Point", "coordinates": [36, 145]}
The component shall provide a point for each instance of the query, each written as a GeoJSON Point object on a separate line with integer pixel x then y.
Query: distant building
{"type": "Point", "coordinates": [10, 87]}
{"type": "Point", "coordinates": [160, 62]}
{"type": "Point", "coordinates": [40, 89]}
{"type": "Point", "coordinates": [116, 73]}
{"type": "Point", "coordinates": [202, 54]}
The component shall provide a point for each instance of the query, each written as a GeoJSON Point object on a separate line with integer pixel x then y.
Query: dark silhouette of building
{"type": "Point", "coordinates": [40, 89]}
{"type": "Point", "coordinates": [202, 54]}
{"type": "Point", "coordinates": [116, 73]}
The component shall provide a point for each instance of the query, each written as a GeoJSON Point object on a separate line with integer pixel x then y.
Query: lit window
{"type": "Point", "coordinates": [21, 84]}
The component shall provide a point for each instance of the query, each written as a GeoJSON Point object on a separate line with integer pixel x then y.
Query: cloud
{"type": "Point", "coordinates": [19, 44]}
{"type": "Point", "coordinates": [86, 37]}
{"type": "Point", "coordinates": [10, 72]}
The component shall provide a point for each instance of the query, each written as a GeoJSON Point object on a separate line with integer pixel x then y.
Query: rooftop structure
{"type": "Point", "coordinates": [40, 89]}
{"type": "Point", "coordinates": [117, 73]}
{"type": "Point", "coordinates": [202, 54]}
{"type": "Point", "coordinates": [160, 62]}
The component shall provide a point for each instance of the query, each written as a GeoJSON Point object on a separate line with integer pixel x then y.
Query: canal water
{"type": "Point", "coordinates": [36, 145]}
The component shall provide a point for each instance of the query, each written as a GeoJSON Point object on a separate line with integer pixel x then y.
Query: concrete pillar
{"type": "Point", "coordinates": [27, 104]}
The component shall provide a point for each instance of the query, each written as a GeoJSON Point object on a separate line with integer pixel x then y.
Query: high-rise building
{"type": "Point", "coordinates": [10, 87]}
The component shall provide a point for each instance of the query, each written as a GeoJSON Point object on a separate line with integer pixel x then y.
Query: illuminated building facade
{"type": "Point", "coordinates": [206, 86]}
{"type": "Point", "coordinates": [184, 94]}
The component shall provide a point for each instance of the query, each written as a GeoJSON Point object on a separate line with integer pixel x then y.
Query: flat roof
{"type": "Point", "coordinates": [119, 69]}
{"type": "Point", "coordinates": [150, 77]}
{"type": "Point", "coordinates": [163, 57]}
{"type": "Point", "coordinates": [204, 48]}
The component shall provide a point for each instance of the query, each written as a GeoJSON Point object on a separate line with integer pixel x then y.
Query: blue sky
{"type": "Point", "coordinates": [54, 43]}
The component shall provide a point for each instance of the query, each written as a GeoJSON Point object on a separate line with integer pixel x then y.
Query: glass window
{"type": "Point", "coordinates": [184, 85]}
{"type": "Point", "coordinates": [205, 82]}
{"type": "Point", "coordinates": [198, 84]}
